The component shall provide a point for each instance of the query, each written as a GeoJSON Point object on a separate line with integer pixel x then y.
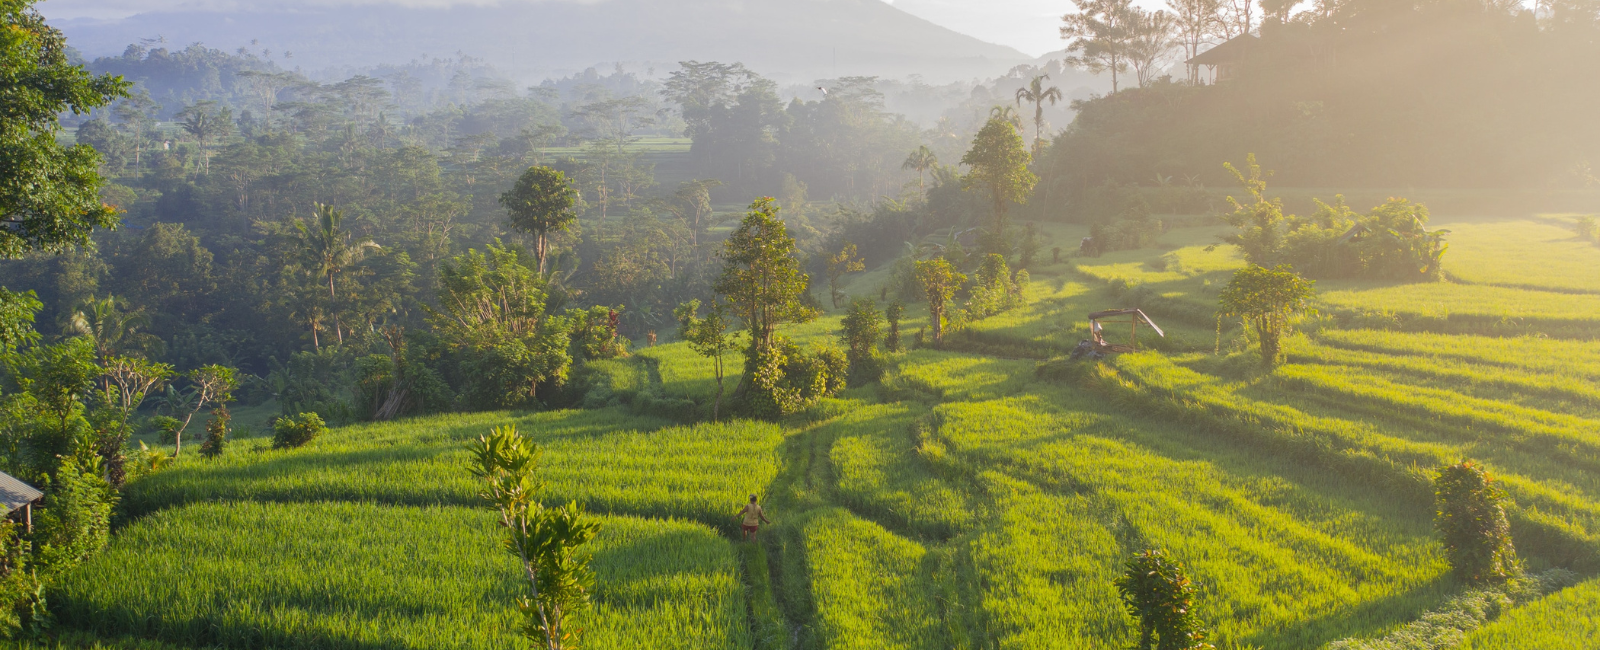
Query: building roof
{"type": "Point", "coordinates": [1231, 51]}
{"type": "Point", "coordinates": [15, 494]}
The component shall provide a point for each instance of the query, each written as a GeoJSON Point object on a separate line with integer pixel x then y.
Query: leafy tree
{"type": "Point", "coordinates": [847, 260]}
{"type": "Point", "coordinates": [1269, 300]}
{"type": "Point", "coordinates": [1261, 223]}
{"type": "Point", "coordinates": [206, 122]}
{"type": "Point", "coordinates": [694, 206]}
{"type": "Point", "coordinates": [542, 202]}
{"type": "Point", "coordinates": [1149, 42]}
{"type": "Point", "coordinates": [1193, 22]}
{"type": "Point", "coordinates": [1035, 93]}
{"type": "Point", "coordinates": [891, 342]}
{"type": "Point", "coordinates": [492, 307]}
{"type": "Point", "coordinates": [51, 199]}
{"type": "Point", "coordinates": [544, 540]}
{"type": "Point", "coordinates": [992, 290]}
{"type": "Point", "coordinates": [761, 278]}
{"type": "Point", "coordinates": [1156, 590]}
{"type": "Point", "coordinates": [59, 204]}
{"type": "Point", "coordinates": [709, 337]}
{"type": "Point", "coordinates": [999, 161]}
{"type": "Point", "coordinates": [1472, 521]}
{"type": "Point", "coordinates": [1029, 247]}
{"type": "Point", "coordinates": [939, 282]}
{"type": "Point", "coordinates": [128, 380]}
{"type": "Point", "coordinates": [216, 433]}
{"type": "Point", "coordinates": [921, 160]}
{"type": "Point", "coordinates": [211, 385]}
{"type": "Point", "coordinates": [328, 250]}
{"type": "Point", "coordinates": [863, 330]}
{"type": "Point", "coordinates": [1099, 33]}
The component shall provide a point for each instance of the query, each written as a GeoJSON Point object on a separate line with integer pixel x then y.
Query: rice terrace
{"type": "Point", "coordinates": [1222, 324]}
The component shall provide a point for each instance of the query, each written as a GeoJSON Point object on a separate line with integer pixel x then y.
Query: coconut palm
{"type": "Point", "coordinates": [328, 250]}
{"type": "Point", "coordinates": [921, 160]}
{"type": "Point", "coordinates": [106, 321]}
{"type": "Point", "coordinates": [1036, 94]}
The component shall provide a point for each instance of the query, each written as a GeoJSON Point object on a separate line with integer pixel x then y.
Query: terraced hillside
{"type": "Point", "coordinates": [983, 495]}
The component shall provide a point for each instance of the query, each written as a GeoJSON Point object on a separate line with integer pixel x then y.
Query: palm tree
{"type": "Point", "coordinates": [207, 125]}
{"type": "Point", "coordinates": [1036, 94]}
{"type": "Point", "coordinates": [921, 160]}
{"type": "Point", "coordinates": [1008, 114]}
{"type": "Point", "coordinates": [329, 250]}
{"type": "Point", "coordinates": [106, 321]}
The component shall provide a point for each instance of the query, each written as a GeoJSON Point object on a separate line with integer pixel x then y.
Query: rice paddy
{"type": "Point", "coordinates": [984, 495]}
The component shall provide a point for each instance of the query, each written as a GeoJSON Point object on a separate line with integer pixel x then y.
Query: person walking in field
{"type": "Point", "coordinates": [752, 517]}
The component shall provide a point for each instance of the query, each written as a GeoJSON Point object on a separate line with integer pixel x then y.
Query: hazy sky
{"type": "Point", "coordinates": [1027, 25]}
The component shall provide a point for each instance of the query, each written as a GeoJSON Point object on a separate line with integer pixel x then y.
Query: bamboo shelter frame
{"type": "Point", "coordinates": [1134, 317]}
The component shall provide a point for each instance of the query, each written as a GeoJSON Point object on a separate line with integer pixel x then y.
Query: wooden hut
{"type": "Point", "coordinates": [16, 495]}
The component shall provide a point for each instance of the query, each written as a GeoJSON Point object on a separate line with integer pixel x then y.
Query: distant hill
{"type": "Point", "coordinates": [795, 40]}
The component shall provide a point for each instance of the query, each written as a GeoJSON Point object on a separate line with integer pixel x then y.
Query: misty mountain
{"type": "Point", "coordinates": [785, 39]}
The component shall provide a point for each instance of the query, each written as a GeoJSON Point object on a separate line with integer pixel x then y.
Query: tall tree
{"type": "Point", "coordinates": [847, 260]}
{"type": "Point", "coordinates": [999, 160]}
{"type": "Point", "coordinates": [1035, 93]}
{"type": "Point", "coordinates": [761, 278]}
{"type": "Point", "coordinates": [1150, 41]}
{"type": "Point", "coordinates": [1098, 34]}
{"type": "Point", "coordinates": [921, 160]}
{"type": "Point", "coordinates": [206, 122]}
{"type": "Point", "coordinates": [328, 250]}
{"type": "Point", "coordinates": [694, 205]}
{"type": "Point", "coordinates": [50, 196]}
{"type": "Point", "coordinates": [541, 203]}
{"type": "Point", "coordinates": [1194, 21]}
{"type": "Point", "coordinates": [710, 337]}
{"type": "Point", "coordinates": [939, 282]}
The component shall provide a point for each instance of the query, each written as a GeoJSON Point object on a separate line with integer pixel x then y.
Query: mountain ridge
{"type": "Point", "coordinates": [817, 38]}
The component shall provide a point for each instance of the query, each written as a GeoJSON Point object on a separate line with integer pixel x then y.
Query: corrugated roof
{"type": "Point", "coordinates": [15, 494]}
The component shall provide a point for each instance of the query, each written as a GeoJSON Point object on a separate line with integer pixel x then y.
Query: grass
{"type": "Point", "coordinates": [607, 459]}
{"type": "Point", "coordinates": [343, 575]}
{"type": "Point", "coordinates": [1564, 621]}
{"type": "Point", "coordinates": [1522, 254]}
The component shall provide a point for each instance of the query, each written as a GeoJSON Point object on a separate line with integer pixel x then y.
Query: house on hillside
{"type": "Point", "coordinates": [18, 496]}
{"type": "Point", "coordinates": [1224, 61]}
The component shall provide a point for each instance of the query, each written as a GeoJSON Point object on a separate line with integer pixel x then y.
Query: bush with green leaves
{"type": "Point", "coordinates": [1268, 300]}
{"type": "Point", "coordinates": [863, 329]}
{"type": "Point", "coordinates": [594, 333]}
{"type": "Point", "coordinates": [1473, 524]}
{"type": "Point", "coordinates": [297, 431]}
{"type": "Point", "coordinates": [892, 315]}
{"type": "Point", "coordinates": [1157, 591]}
{"type": "Point", "coordinates": [786, 380]}
{"type": "Point", "coordinates": [216, 433]}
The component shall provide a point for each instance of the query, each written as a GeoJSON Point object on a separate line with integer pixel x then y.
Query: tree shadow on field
{"type": "Point", "coordinates": [643, 571]}
{"type": "Point", "coordinates": [1364, 620]}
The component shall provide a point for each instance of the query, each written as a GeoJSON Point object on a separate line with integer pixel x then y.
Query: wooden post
{"type": "Point", "coordinates": [1134, 343]}
{"type": "Point", "coordinates": [27, 513]}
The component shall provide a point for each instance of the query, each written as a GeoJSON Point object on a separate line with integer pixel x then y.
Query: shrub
{"type": "Point", "coordinates": [863, 329]}
{"type": "Point", "coordinates": [292, 432]}
{"type": "Point", "coordinates": [216, 433]}
{"type": "Point", "coordinates": [1157, 592]}
{"type": "Point", "coordinates": [784, 380]}
{"type": "Point", "coordinates": [1470, 518]}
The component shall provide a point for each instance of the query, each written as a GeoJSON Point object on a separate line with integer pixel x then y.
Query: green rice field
{"type": "Point", "coordinates": [982, 495]}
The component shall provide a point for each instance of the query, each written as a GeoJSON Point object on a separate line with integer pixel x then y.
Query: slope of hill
{"type": "Point", "coordinates": [969, 500]}
{"type": "Point", "coordinates": [792, 39]}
